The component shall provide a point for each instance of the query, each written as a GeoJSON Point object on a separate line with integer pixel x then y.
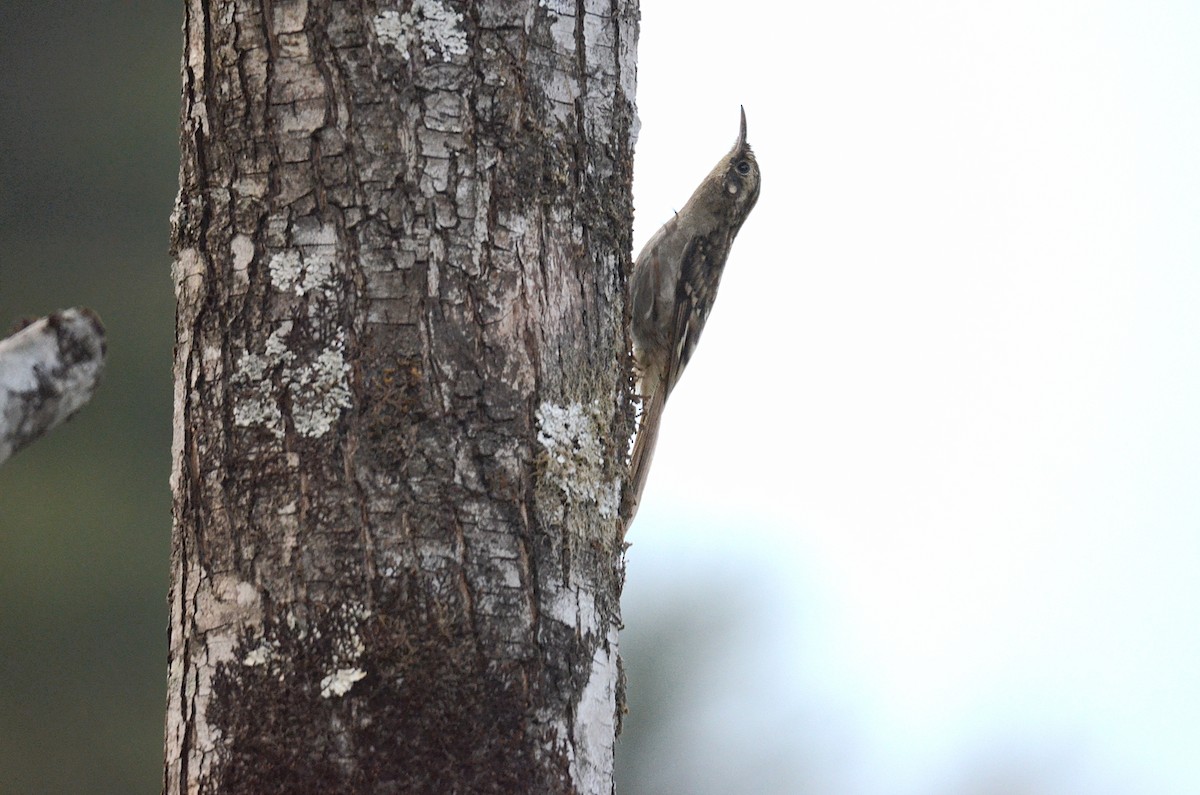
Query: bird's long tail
{"type": "Point", "coordinates": [643, 453]}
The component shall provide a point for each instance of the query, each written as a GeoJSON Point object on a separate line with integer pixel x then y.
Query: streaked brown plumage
{"type": "Point", "coordinates": [674, 285]}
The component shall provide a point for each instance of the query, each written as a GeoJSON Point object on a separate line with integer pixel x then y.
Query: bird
{"type": "Point", "coordinates": [672, 290]}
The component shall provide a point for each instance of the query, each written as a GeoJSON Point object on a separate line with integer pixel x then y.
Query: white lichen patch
{"type": "Point", "coordinates": [259, 411]}
{"type": "Point", "coordinates": [302, 274]}
{"type": "Point", "coordinates": [314, 374]}
{"type": "Point", "coordinates": [257, 404]}
{"type": "Point", "coordinates": [575, 454]}
{"type": "Point", "coordinates": [286, 270]}
{"type": "Point", "coordinates": [319, 389]}
{"type": "Point", "coordinates": [340, 681]}
{"type": "Point", "coordinates": [429, 24]}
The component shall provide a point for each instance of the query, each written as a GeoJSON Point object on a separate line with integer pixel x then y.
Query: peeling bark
{"type": "Point", "coordinates": [48, 371]}
{"type": "Point", "coordinates": [401, 396]}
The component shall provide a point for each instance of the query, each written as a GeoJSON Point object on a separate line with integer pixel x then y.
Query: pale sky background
{"type": "Point", "coordinates": [943, 427]}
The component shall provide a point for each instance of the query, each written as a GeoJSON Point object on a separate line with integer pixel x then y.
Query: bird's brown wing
{"type": "Point", "coordinates": [703, 263]}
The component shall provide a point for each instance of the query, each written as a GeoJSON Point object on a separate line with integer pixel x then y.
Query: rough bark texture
{"type": "Point", "coordinates": [402, 396]}
{"type": "Point", "coordinates": [48, 371]}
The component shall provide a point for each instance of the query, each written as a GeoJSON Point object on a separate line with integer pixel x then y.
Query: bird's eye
{"type": "Point", "coordinates": [743, 167]}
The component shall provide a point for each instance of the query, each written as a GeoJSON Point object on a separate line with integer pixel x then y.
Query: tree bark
{"type": "Point", "coordinates": [48, 371]}
{"type": "Point", "coordinates": [401, 396]}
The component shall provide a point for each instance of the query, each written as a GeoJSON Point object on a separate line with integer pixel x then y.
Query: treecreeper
{"type": "Point", "coordinates": [672, 291]}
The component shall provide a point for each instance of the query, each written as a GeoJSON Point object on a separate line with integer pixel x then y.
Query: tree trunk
{"type": "Point", "coordinates": [401, 396]}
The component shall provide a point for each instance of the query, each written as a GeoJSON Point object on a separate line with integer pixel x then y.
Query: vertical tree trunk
{"type": "Point", "coordinates": [401, 395]}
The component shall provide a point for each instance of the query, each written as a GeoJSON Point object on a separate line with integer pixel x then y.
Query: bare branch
{"type": "Point", "coordinates": [48, 371]}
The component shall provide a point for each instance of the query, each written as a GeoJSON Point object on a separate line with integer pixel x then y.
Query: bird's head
{"type": "Point", "coordinates": [739, 175]}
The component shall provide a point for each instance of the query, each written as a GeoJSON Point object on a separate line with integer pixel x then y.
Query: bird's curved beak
{"type": "Point", "coordinates": [741, 141]}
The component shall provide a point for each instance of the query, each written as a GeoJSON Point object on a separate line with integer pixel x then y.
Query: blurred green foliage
{"type": "Point", "coordinates": [88, 134]}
